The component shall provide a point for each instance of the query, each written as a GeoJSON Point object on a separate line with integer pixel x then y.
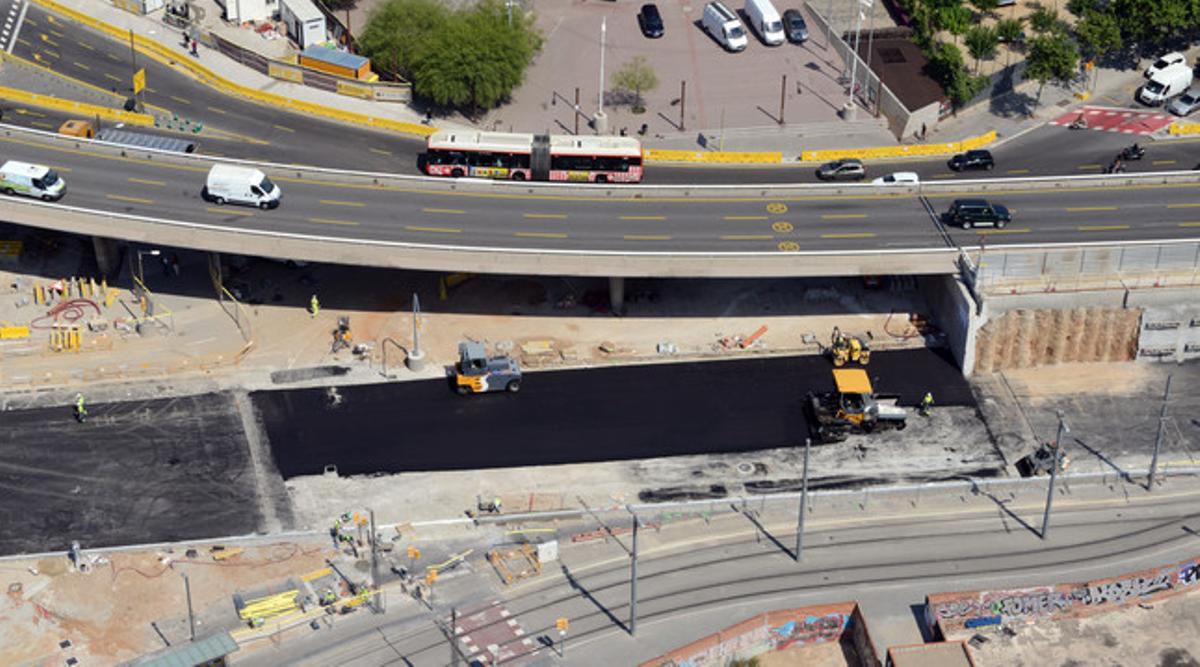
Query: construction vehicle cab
{"type": "Point", "coordinates": [478, 373]}
{"type": "Point", "coordinates": [852, 408]}
{"type": "Point", "coordinates": [844, 349]}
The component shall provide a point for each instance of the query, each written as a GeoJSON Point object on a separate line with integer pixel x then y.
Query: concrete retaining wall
{"type": "Point", "coordinates": [954, 312]}
{"type": "Point", "coordinates": [958, 615]}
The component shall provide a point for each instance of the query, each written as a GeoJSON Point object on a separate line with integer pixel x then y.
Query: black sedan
{"type": "Point", "coordinates": [650, 21]}
{"type": "Point", "coordinates": [794, 25]}
{"type": "Point", "coordinates": [978, 159]}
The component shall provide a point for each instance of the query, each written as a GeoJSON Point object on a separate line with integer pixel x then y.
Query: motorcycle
{"type": "Point", "coordinates": [1079, 123]}
{"type": "Point", "coordinates": [1134, 152]}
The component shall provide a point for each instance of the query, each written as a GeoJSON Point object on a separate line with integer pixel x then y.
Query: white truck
{"type": "Point", "coordinates": [240, 185]}
{"type": "Point", "coordinates": [724, 26]}
{"type": "Point", "coordinates": [762, 16]}
{"type": "Point", "coordinates": [31, 180]}
{"type": "Point", "coordinates": [1165, 84]}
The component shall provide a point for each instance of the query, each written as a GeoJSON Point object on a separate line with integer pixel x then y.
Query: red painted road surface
{"type": "Point", "coordinates": [491, 628]}
{"type": "Point", "coordinates": [1125, 121]}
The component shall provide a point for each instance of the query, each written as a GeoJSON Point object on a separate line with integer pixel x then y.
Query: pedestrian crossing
{"type": "Point", "coordinates": [1115, 119]}
{"type": "Point", "coordinates": [14, 16]}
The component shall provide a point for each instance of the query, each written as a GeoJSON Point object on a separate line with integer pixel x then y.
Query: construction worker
{"type": "Point", "coordinates": [80, 409]}
{"type": "Point", "coordinates": [496, 505]}
{"type": "Point", "coordinates": [314, 306]}
{"type": "Point", "coordinates": [926, 404]}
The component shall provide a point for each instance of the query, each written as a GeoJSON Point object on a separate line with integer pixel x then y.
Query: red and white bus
{"type": "Point", "coordinates": [534, 157]}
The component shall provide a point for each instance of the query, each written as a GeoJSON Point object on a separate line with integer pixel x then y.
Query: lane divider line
{"type": "Point", "coordinates": [134, 200]}
{"type": "Point", "coordinates": [334, 202]}
{"type": "Point", "coordinates": [849, 235]}
{"type": "Point", "coordinates": [435, 230]}
{"type": "Point", "coordinates": [1101, 228]}
{"type": "Point", "coordinates": [643, 217]}
{"type": "Point", "coordinates": [1086, 209]}
{"type": "Point", "coordinates": [331, 221]}
{"type": "Point", "coordinates": [1022, 230]}
{"type": "Point", "coordinates": [1017, 171]}
{"type": "Point", "coordinates": [380, 151]}
{"type": "Point", "coordinates": [285, 129]}
{"type": "Point", "coordinates": [747, 237]}
{"type": "Point", "coordinates": [546, 216]}
{"type": "Point", "coordinates": [1183, 205]}
{"type": "Point", "coordinates": [147, 181]}
{"type": "Point", "coordinates": [843, 216]}
{"type": "Point", "coordinates": [541, 235]}
{"type": "Point", "coordinates": [746, 217]}
{"type": "Point", "coordinates": [641, 237]}
{"type": "Point", "coordinates": [1189, 224]}
{"type": "Point", "coordinates": [451, 211]}
{"type": "Point", "coordinates": [229, 211]}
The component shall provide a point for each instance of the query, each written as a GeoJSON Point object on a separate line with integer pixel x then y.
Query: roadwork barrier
{"type": "Point", "coordinates": [912, 150]}
{"type": "Point", "coordinates": [1180, 128]}
{"type": "Point", "coordinates": [712, 157]}
{"type": "Point", "coordinates": [958, 615]}
{"type": "Point", "coordinates": [83, 109]}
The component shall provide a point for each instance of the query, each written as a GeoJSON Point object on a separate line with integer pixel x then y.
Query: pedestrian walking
{"type": "Point", "coordinates": [926, 404]}
{"type": "Point", "coordinates": [923, 128]}
{"type": "Point", "coordinates": [196, 47]}
{"type": "Point", "coordinates": [314, 306]}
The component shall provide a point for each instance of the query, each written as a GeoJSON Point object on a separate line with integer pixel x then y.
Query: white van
{"type": "Point", "coordinates": [31, 180]}
{"type": "Point", "coordinates": [765, 20]}
{"type": "Point", "coordinates": [1165, 84]}
{"type": "Point", "coordinates": [240, 185]}
{"type": "Point", "coordinates": [724, 26]}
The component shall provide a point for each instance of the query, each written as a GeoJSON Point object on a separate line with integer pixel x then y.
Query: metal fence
{"type": "Point", "coordinates": [1125, 266]}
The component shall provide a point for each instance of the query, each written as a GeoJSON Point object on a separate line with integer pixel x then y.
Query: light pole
{"type": "Point", "coordinates": [141, 269]}
{"type": "Point", "coordinates": [1162, 424]}
{"type": "Point", "coordinates": [1062, 430]}
{"type": "Point", "coordinates": [803, 502]}
{"type": "Point", "coordinates": [187, 589]}
{"type": "Point", "coordinates": [416, 358]}
{"type": "Point", "coordinates": [601, 121]}
{"type": "Point", "coordinates": [633, 577]}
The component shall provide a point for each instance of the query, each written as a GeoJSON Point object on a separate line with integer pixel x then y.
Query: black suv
{"type": "Point", "coordinates": [968, 213]}
{"type": "Point", "coordinates": [650, 21]}
{"type": "Point", "coordinates": [980, 159]}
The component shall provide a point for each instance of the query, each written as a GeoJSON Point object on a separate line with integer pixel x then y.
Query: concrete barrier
{"type": "Point", "coordinates": [712, 157]}
{"type": "Point", "coordinates": [82, 109]}
{"type": "Point", "coordinates": [1180, 128]}
{"type": "Point", "coordinates": [913, 150]}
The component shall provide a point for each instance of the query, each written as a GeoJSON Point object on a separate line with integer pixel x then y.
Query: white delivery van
{"type": "Point", "coordinates": [765, 20]}
{"type": "Point", "coordinates": [32, 180]}
{"type": "Point", "coordinates": [724, 26]}
{"type": "Point", "coordinates": [240, 185]}
{"type": "Point", "coordinates": [1165, 84]}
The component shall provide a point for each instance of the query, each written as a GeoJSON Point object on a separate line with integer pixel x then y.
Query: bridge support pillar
{"type": "Point", "coordinates": [616, 295]}
{"type": "Point", "coordinates": [108, 256]}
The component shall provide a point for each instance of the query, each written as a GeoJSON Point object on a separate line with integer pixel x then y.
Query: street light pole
{"type": "Point", "coordinates": [416, 358]}
{"type": "Point", "coordinates": [633, 578]}
{"type": "Point", "coordinates": [601, 121]}
{"type": "Point", "coordinates": [1162, 424]}
{"type": "Point", "coordinates": [187, 589]}
{"type": "Point", "coordinates": [803, 502]}
{"type": "Point", "coordinates": [1062, 429]}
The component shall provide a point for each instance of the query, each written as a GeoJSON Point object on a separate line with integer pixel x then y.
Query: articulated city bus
{"type": "Point", "coordinates": [534, 157]}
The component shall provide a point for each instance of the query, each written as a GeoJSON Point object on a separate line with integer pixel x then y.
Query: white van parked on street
{"type": "Point", "coordinates": [31, 180]}
{"type": "Point", "coordinates": [240, 185]}
{"type": "Point", "coordinates": [1165, 84]}
{"type": "Point", "coordinates": [762, 16]}
{"type": "Point", "coordinates": [724, 26]}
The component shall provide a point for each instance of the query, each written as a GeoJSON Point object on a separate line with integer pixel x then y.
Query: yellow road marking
{"type": "Point", "coordinates": [1023, 230]}
{"type": "Point", "coordinates": [334, 202]}
{"type": "Point", "coordinates": [850, 235]}
{"type": "Point", "coordinates": [556, 216]}
{"type": "Point", "coordinates": [745, 217]}
{"type": "Point", "coordinates": [52, 54]}
{"type": "Point", "coordinates": [31, 112]}
{"type": "Point", "coordinates": [66, 170]}
{"type": "Point", "coordinates": [146, 181]}
{"type": "Point", "coordinates": [1101, 228]}
{"type": "Point", "coordinates": [229, 211]}
{"type": "Point", "coordinates": [843, 216]}
{"type": "Point", "coordinates": [330, 221]}
{"type": "Point", "coordinates": [1084, 209]}
{"type": "Point", "coordinates": [638, 237]}
{"type": "Point", "coordinates": [57, 34]}
{"type": "Point", "coordinates": [80, 65]}
{"type": "Point", "coordinates": [39, 123]}
{"type": "Point", "coordinates": [179, 99]}
{"type": "Point", "coordinates": [22, 40]}
{"type": "Point", "coordinates": [1189, 224]}
{"type": "Point", "coordinates": [944, 175]}
{"type": "Point", "coordinates": [1163, 162]}
{"type": "Point", "coordinates": [46, 39]}
{"type": "Point", "coordinates": [380, 151]}
{"type": "Point", "coordinates": [114, 78]}
{"type": "Point", "coordinates": [451, 211]}
{"type": "Point", "coordinates": [285, 129]}
{"type": "Point", "coordinates": [135, 200]}
{"type": "Point", "coordinates": [542, 235]}
{"type": "Point", "coordinates": [87, 46]}
{"type": "Point", "coordinates": [643, 217]}
{"type": "Point", "coordinates": [1018, 171]}
{"type": "Point", "coordinates": [437, 230]}
{"type": "Point", "coordinates": [747, 237]}
{"type": "Point", "coordinates": [216, 110]}
{"type": "Point", "coordinates": [1182, 205]}
{"type": "Point", "coordinates": [151, 90]}
{"type": "Point", "coordinates": [1088, 166]}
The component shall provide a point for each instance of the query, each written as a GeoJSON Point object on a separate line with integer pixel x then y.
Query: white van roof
{"type": "Point", "coordinates": [25, 168]}
{"type": "Point", "coordinates": [723, 11]}
{"type": "Point", "coordinates": [765, 8]}
{"type": "Point", "coordinates": [1172, 73]}
{"type": "Point", "coordinates": [233, 171]}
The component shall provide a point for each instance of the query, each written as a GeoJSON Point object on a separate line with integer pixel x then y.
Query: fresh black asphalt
{"type": "Point", "coordinates": [135, 472]}
{"type": "Point", "coordinates": [575, 416]}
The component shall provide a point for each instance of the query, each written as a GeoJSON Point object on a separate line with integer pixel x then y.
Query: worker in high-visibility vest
{"type": "Point", "coordinates": [314, 306]}
{"type": "Point", "coordinates": [80, 409]}
{"type": "Point", "coordinates": [926, 404]}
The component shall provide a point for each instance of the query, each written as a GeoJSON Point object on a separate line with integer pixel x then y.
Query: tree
{"type": "Point", "coordinates": [475, 59]}
{"type": "Point", "coordinates": [397, 30]}
{"type": "Point", "coordinates": [1044, 21]}
{"type": "Point", "coordinates": [981, 43]}
{"type": "Point", "coordinates": [1153, 20]}
{"type": "Point", "coordinates": [636, 76]}
{"type": "Point", "coordinates": [965, 87]}
{"type": "Point", "coordinates": [1082, 7]}
{"type": "Point", "coordinates": [1099, 35]}
{"type": "Point", "coordinates": [947, 67]}
{"type": "Point", "coordinates": [985, 6]}
{"type": "Point", "coordinates": [1008, 30]}
{"type": "Point", "coordinates": [955, 19]}
{"type": "Point", "coordinates": [1051, 58]}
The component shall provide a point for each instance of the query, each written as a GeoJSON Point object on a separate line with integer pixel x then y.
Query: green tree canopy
{"type": "Point", "coordinates": [1044, 20]}
{"type": "Point", "coordinates": [981, 43]}
{"type": "Point", "coordinates": [1051, 58]}
{"type": "Point", "coordinates": [1099, 34]}
{"type": "Point", "coordinates": [955, 19]}
{"type": "Point", "coordinates": [1008, 30]}
{"type": "Point", "coordinates": [985, 6]}
{"type": "Point", "coordinates": [1153, 20]}
{"type": "Point", "coordinates": [397, 30]}
{"type": "Point", "coordinates": [636, 76]}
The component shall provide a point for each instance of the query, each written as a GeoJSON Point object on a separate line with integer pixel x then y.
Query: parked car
{"type": "Point", "coordinates": [764, 18]}
{"type": "Point", "coordinates": [976, 159]}
{"type": "Point", "coordinates": [1169, 60]}
{"type": "Point", "coordinates": [650, 21]}
{"type": "Point", "coordinates": [848, 169]}
{"type": "Point", "coordinates": [724, 26]}
{"type": "Point", "coordinates": [794, 26]}
{"type": "Point", "coordinates": [968, 213]}
{"type": "Point", "coordinates": [898, 178]}
{"type": "Point", "coordinates": [1165, 84]}
{"type": "Point", "coordinates": [1185, 103]}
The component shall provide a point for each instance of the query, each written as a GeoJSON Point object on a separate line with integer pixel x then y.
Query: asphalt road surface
{"type": "Point", "coordinates": [576, 416]}
{"type": "Point", "coordinates": [135, 472]}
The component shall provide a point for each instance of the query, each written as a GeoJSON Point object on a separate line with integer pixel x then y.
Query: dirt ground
{"type": "Point", "coordinates": [1166, 634]}
{"type": "Point", "coordinates": [829, 654]}
{"type": "Point", "coordinates": [1045, 384]}
{"type": "Point", "coordinates": [105, 613]}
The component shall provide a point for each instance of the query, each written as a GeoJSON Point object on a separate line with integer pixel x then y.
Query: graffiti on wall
{"type": "Point", "coordinates": [810, 630]}
{"type": "Point", "coordinates": [977, 609]}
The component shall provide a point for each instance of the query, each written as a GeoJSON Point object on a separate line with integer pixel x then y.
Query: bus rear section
{"type": "Point", "coordinates": [522, 157]}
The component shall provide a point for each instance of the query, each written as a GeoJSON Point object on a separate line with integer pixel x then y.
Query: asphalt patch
{"type": "Point", "coordinates": [135, 472]}
{"type": "Point", "coordinates": [603, 414]}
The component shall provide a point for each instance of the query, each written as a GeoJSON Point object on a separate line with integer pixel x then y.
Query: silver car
{"type": "Point", "coordinates": [1186, 103]}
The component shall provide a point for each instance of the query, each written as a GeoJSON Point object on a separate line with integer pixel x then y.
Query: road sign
{"type": "Point", "coordinates": [139, 81]}
{"type": "Point", "coordinates": [413, 552]}
{"type": "Point", "coordinates": [562, 624]}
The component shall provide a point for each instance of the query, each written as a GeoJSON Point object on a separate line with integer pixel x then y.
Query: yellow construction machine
{"type": "Point", "coordinates": [845, 349]}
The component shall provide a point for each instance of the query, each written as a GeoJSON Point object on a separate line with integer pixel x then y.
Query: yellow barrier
{"type": "Point", "coordinates": [1179, 128]}
{"type": "Point", "coordinates": [78, 108]}
{"type": "Point", "coordinates": [712, 157]}
{"type": "Point", "coordinates": [170, 58]}
{"type": "Point", "coordinates": [915, 150]}
{"type": "Point", "coordinates": [14, 333]}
